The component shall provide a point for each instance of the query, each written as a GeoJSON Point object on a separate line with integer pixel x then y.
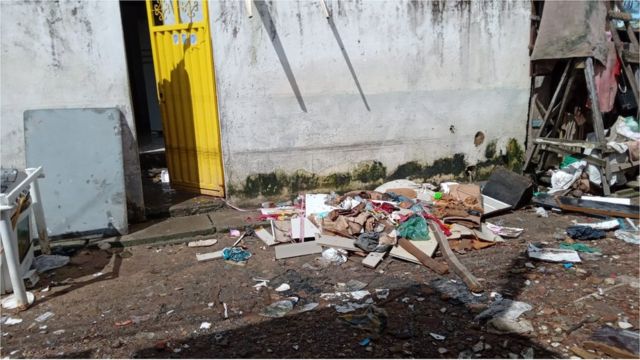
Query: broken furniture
{"type": "Point", "coordinates": [572, 35]}
{"type": "Point", "coordinates": [20, 205]}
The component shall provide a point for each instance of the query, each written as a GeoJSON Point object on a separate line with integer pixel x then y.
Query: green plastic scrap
{"type": "Point", "coordinates": [579, 248]}
{"type": "Point", "coordinates": [632, 124]}
{"type": "Point", "coordinates": [568, 160]}
{"type": "Point", "coordinates": [414, 228]}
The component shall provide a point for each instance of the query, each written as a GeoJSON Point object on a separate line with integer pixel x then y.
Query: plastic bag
{"type": "Point", "coordinates": [415, 228]}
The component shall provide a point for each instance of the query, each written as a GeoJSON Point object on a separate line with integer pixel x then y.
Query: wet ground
{"type": "Point", "coordinates": [151, 301]}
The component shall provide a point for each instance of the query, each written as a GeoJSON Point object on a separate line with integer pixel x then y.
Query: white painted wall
{"type": "Point", "coordinates": [63, 54]}
{"type": "Point", "coordinates": [423, 66]}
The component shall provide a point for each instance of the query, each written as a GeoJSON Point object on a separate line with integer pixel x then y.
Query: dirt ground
{"type": "Point", "coordinates": [162, 295]}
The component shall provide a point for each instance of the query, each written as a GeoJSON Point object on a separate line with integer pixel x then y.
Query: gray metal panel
{"type": "Point", "coordinates": [81, 154]}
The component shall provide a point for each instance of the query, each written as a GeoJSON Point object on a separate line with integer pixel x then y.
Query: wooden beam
{"type": "Point", "coordinates": [453, 261]}
{"type": "Point", "coordinates": [297, 249]}
{"type": "Point", "coordinates": [373, 259]}
{"type": "Point", "coordinates": [570, 143]}
{"type": "Point", "coordinates": [598, 125]}
{"type": "Point", "coordinates": [422, 257]}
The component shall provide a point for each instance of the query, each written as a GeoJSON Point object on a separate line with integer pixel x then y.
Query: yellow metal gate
{"type": "Point", "coordinates": [183, 65]}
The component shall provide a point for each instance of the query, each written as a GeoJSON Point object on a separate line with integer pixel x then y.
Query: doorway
{"type": "Point", "coordinates": [170, 66]}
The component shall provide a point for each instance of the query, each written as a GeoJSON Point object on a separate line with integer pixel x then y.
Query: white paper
{"type": "Point", "coordinates": [554, 255]}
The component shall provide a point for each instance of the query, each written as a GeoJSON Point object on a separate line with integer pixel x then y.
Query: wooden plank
{"type": "Point", "coordinates": [266, 237]}
{"type": "Point", "coordinates": [609, 350]}
{"type": "Point", "coordinates": [455, 264]}
{"type": "Point", "coordinates": [426, 246]}
{"type": "Point", "coordinates": [202, 243]}
{"type": "Point", "coordinates": [570, 143]}
{"type": "Point", "coordinates": [297, 249]}
{"type": "Point", "coordinates": [598, 208]}
{"type": "Point", "coordinates": [423, 258]}
{"type": "Point", "coordinates": [547, 115]}
{"type": "Point", "coordinates": [209, 256]}
{"type": "Point", "coordinates": [337, 242]}
{"type": "Point", "coordinates": [584, 353]}
{"type": "Point", "coordinates": [619, 15]}
{"type": "Point", "coordinates": [598, 126]}
{"type": "Point", "coordinates": [588, 158]}
{"type": "Point", "coordinates": [373, 259]}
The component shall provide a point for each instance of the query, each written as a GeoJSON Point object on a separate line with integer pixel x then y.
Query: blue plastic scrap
{"type": "Point", "coordinates": [235, 254]}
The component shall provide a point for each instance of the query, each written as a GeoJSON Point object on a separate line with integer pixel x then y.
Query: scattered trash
{"type": "Point", "coordinates": [553, 255]}
{"type": "Point", "coordinates": [124, 323]}
{"type": "Point", "coordinates": [442, 350]}
{"type": "Point", "coordinates": [567, 265]}
{"type": "Point", "coordinates": [235, 254]}
{"type": "Point", "coordinates": [478, 347]}
{"type": "Point", "coordinates": [437, 336]}
{"type": "Point", "coordinates": [59, 332]}
{"type": "Point", "coordinates": [350, 306]}
{"type": "Point", "coordinates": [356, 295]}
{"type": "Point", "coordinates": [503, 317]}
{"type": "Point", "coordinates": [44, 317]}
{"type": "Point", "coordinates": [44, 263]}
{"type": "Point", "coordinates": [579, 247]}
{"type": "Point", "coordinates": [508, 232]}
{"type": "Point", "coordinates": [10, 321]}
{"type": "Point", "coordinates": [603, 225]}
{"type": "Point", "coordinates": [100, 273]}
{"type": "Point", "coordinates": [541, 212]}
{"type": "Point", "coordinates": [628, 236]}
{"type": "Point", "coordinates": [457, 292]}
{"type": "Point", "coordinates": [414, 228]}
{"type": "Point", "coordinates": [278, 309]}
{"type": "Point", "coordinates": [351, 285]}
{"type": "Point", "coordinates": [579, 232]}
{"type": "Point", "coordinates": [308, 307]}
{"type": "Point", "coordinates": [234, 232]}
{"type": "Point", "coordinates": [336, 256]}
{"type": "Point", "coordinates": [617, 343]}
{"type": "Point", "coordinates": [624, 325]}
{"type": "Point", "coordinates": [283, 287]}
{"type": "Point", "coordinates": [226, 310]}
{"type": "Point", "coordinates": [202, 243]}
{"type": "Point", "coordinates": [365, 341]}
{"type": "Point", "coordinates": [382, 293]}
{"type": "Point", "coordinates": [373, 319]}
{"type": "Point", "coordinates": [205, 325]}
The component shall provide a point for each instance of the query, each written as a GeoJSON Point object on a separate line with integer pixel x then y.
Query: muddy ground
{"type": "Point", "coordinates": [161, 295]}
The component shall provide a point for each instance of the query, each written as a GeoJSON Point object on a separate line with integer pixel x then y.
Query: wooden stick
{"type": "Point", "coordinates": [422, 257]}
{"type": "Point", "coordinates": [454, 263]}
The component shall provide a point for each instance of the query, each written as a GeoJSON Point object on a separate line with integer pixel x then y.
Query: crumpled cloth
{"type": "Point", "coordinates": [369, 242]}
{"type": "Point", "coordinates": [579, 232]}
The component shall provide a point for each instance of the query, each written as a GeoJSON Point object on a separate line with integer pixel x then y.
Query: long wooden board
{"type": "Point", "coordinates": [337, 242]}
{"type": "Point", "coordinates": [297, 249]}
{"type": "Point", "coordinates": [597, 208]}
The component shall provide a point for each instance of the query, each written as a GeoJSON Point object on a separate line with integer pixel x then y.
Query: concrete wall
{"type": "Point", "coordinates": [402, 84]}
{"type": "Point", "coordinates": [65, 54]}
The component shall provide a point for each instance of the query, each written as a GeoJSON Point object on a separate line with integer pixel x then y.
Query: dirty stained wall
{"type": "Point", "coordinates": [65, 54]}
{"type": "Point", "coordinates": [392, 87]}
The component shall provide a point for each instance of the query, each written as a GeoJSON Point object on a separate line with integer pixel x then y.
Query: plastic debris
{"type": "Point", "coordinates": [202, 243]}
{"type": "Point", "coordinates": [503, 317]}
{"type": "Point", "coordinates": [11, 302]}
{"type": "Point", "coordinates": [457, 292]}
{"type": "Point", "coordinates": [631, 237]}
{"type": "Point", "coordinates": [373, 319]}
{"type": "Point", "coordinates": [414, 228]}
{"type": "Point", "coordinates": [602, 225]}
{"type": "Point", "coordinates": [336, 256]}
{"type": "Point", "coordinates": [437, 336]}
{"type": "Point", "coordinates": [553, 255]}
{"type": "Point", "coordinates": [11, 321]}
{"type": "Point", "coordinates": [351, 285]}
{"type": "Point", "coordinates": [580, 232]}
{"type": "Point", "coordinates": [356, 295]}
{"type": "Point", "coordinates": [382, 293]}
{"type": "Point", "coordinates": [364, 342]}
{"type": "Point", "coordinates": [205, 325]}
{"type": "Point", "coordinates": [278, 309]}
{"type": "Point", "coordinates": [45, 263]}
{"type": "Point", "coordinates": [541, 212]}
{"type": "Point", "coordinates": [44, 317]}
{"type": "Point", "coordinates": [283, 287]}
{"type": "Point", "coordinates": [350, 306]}
{"type": "Point", "coordinates": [234, 232]}
{"type": "Point", "coordinates": [504, 231]}
{"type": "Point", "coordinates": [235, 254]}
{"type": "Point", "coordinates": [308, 307]}
{"type": "Point", "coordinates": [579, 247]}
{"type": "Point", "coordinates": [567, 265]}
